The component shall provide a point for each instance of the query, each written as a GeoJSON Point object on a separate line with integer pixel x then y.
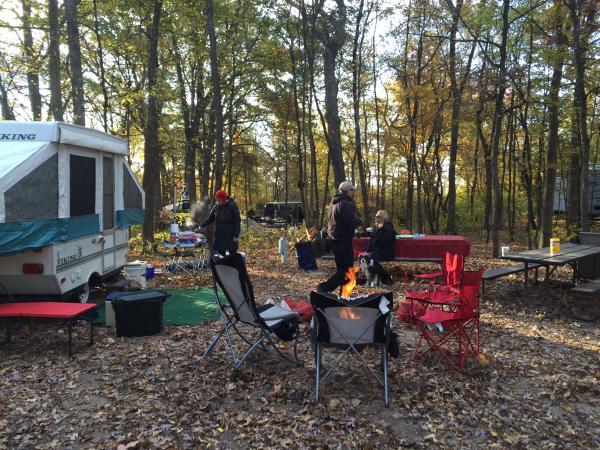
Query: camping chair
{"type": "Point", "coordinates": [452, 267]}
{"type": "Point", "coordinates": [350, 325]}
{"type": "Point", "coordinates": [451, 325]}
{"type": "Point", "coordinates": [229, 274]}
{"type": "Point", "coordinates": [447, 292]}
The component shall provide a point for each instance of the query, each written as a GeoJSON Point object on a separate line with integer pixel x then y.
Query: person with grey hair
{"type": "Point", "coordinates": [343, 219]}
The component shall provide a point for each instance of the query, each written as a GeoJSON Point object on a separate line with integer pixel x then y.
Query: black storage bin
{"type": "Point", "coordinates": [138, 313]}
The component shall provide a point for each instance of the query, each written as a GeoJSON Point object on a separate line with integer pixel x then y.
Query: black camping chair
{"type": "Point", "coordinates": [351, 325]}
{"type": "Point", "coordinates": [229, 274]}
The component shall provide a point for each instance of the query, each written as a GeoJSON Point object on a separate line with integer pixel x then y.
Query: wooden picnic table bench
{"type": "Point", "coordinates": [589, 287]}
{"type": "Point", "coordinates": [399, 259]}
{"type": "Point", "coordinates": [498, 272]}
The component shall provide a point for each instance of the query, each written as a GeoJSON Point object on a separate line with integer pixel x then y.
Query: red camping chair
{"type": "Point", "coordinates": [452, 267]}
{"type": "Point", "coordinates": [449, 325]}
{"type": "Point", "coordinates": [452, 272]}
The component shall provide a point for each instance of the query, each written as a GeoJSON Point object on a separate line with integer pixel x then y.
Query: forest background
{"type": "Point", "coordinates": [453, 115]}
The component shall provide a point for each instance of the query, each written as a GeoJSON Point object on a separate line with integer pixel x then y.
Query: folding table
{"type": "Point", "coordinates": [70, 312]}
{"type": "Point", "coordinates": [187, 257]}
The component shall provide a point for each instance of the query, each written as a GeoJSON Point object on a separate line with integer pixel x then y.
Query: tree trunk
{"type": "Point", "coordinates": [553, 128]}
{"type": "Point", "coordinates": [31, 62]}
{"type": "Point", "coordinates": [582, 16]}
{"type": "Point", "coordinates": [75, 62]}
{"type": "Point", "coordinates": [189, 168]}
{"type": "Point", "coordinates": [209, 139]}
{"type": "Point", "coordinates": [380, 200]}
{"type": "Point", "coordinates": [56, 109]}
{"type": "Point", "coordinates": [216, 99]}
{"type": "Point", "coordinates": [7, 111]}
{"type": "Point", "coordinates": [332, 35]}
{"type": "Point", "coordinates": [151, 180]}
{"type": "Point", "coordinates": [105, 101]}
{"type": "Point", "coordinates": [498, 115]}
{"type": "Point", "coordinates": [573, 204]}
{"type": "Point", "coordinates": [298, 144]}
{"type": "Point", "coordinates": [356, 95]}
{"type": "Point", "coordinates": [310, 59]}
{"type": "Point", "coordinates": [333, 118]}
{"type": "Point", "coordinates": [456, 92]}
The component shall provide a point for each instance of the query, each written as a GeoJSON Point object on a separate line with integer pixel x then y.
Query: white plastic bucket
{"type": "Point", "coordinates": [135, 269]}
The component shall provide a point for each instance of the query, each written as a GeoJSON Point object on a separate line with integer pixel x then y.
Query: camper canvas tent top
{"type": "Point", "coordinates": [67, 198]}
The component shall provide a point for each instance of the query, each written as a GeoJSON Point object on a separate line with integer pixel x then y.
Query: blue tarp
{"type": "Point", "coordinates": [22, 236]}
{"type": "Point", "coordinates": [129, 216]}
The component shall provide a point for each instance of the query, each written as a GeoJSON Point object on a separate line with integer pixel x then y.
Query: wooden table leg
{"type": "Point", "coordinates": [526, 274]}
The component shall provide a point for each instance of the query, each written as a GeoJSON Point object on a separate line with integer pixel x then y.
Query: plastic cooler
{"type": "Point", "coordinates": [138, 313]}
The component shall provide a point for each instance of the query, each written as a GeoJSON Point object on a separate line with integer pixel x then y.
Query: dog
{"type": "Point", "coordinates": [367, 268]}
{"type": "Point", "coordinates": [374, 272]}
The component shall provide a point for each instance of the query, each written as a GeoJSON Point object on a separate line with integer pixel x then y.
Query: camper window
{"type": "Point", "coordinates": [83, 185]}
{"type": "Point", "coordinates": [108, 190]}
{"type": "Point", "coordinates": [131, 194]}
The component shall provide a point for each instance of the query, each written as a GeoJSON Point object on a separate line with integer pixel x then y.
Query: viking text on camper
{"type": "Point", "coordinates": [17, 137]}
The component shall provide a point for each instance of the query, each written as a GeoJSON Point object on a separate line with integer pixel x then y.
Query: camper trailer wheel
{"type": "Point", "coordinates": [83, 294]}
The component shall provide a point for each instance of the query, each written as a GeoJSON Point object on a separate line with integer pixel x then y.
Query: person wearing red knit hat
{"type": "Point", "coordinates": [226, 217]}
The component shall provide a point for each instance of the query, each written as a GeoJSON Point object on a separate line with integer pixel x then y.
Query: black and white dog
{"type": "Point", "coordinates": [373, 271]}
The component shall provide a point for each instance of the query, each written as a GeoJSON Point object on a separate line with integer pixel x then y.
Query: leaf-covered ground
{"type": "Point", "coordinates": [536, 384]}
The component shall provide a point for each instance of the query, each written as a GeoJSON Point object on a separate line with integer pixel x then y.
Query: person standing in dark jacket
{"type": "Point", "coordinates": [343, 220]}
{"type": "Point", "coordinates": [226, 216]}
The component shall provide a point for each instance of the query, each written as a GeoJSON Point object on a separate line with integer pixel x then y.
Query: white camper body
{"type": "Point", "coordinates": [67, 198]}
{"type": "Point", "coordinates": [561, 189]}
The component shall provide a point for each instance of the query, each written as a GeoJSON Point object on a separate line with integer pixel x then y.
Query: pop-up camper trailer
{"type": "Point", "coordinates": [67, 198]}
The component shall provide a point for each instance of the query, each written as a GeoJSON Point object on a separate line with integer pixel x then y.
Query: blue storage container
{"type": "Point", "coordinates": [306, 255]}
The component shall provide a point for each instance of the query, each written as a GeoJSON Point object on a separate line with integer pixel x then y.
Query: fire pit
{"type": "Point", "coordinates": [346, 321]}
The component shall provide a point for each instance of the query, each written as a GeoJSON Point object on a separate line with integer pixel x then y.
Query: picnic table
{"type": "Point", "coordinates": [569, 254]}
{"type": "Point", "coordinates": [421, 248]}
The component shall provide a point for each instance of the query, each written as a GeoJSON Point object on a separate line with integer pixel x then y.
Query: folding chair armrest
{"type": "Point", "coordinates": [291, 315]}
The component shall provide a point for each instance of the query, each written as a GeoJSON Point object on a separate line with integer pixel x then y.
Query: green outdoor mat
{"type": "Point", "coordinates": [182, 307]}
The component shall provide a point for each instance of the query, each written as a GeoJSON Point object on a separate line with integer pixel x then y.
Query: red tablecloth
{"type": "Point", "coordinates": [421, 247]}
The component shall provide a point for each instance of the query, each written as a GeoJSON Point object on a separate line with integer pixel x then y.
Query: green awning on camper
{"type": "Point", "coordinates": [130, 216]}
{"type": "Point", "coordinates": [22, 236]}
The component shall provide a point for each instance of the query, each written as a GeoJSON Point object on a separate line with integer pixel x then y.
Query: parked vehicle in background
{"type": "Point", "coordinates": [278, 214]}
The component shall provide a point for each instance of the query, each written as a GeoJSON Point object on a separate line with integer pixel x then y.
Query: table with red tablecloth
{"type": "Point", "coordinates": [421, 247]}
{"type": "Point", "coordinates": [69, 312]}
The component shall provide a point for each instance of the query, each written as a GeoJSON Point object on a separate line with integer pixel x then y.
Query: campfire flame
{"type": "Point", "coordinates": [348, 313]}
{"type": "Point", "coordinates": [351, 284]}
